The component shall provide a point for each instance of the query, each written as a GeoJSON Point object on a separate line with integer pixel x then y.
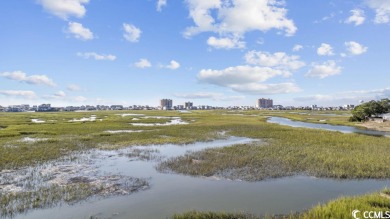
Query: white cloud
{"type": "Point", "coordinates": [278, 60]}
{"type": "Point", "coordinates": [325, 50]}
{"type": "Point", "coordinates": [143, 63]}
{"type": "Point", "coordinates": [324, 70]}
{"type": "Point", "coordinates": [225, 43]}
{"type": "Point", "coordinates": [357, 17]}
{"type": "Point", "coordinates": [209, 95]}
{"type": "Point", "coordinates": [33, 79]}
{"type": "Point", "coordinates": [79, 99]}
{"type": "Point", "coordinates": [382, 10]}
{"type": "Point", "coordinates": [237, 17]}
{"type": "Point", "coordinates": [256, 88]}
{"type": "Point", "coordinates": [18, 93]}
{"type": "Point", "coordinates": [161, 4]}
{"type": "Point", "coordinates": [238, 75]}
{"type": "Point", "coordinates": [297, 48]}
{"type": "Point", "coordinates": [346, 97]}
{"type": "Point", "coordinates": [247, 79]}
{"type": "Point", "coordinates": [96, 56]}
{"type": "Point", "coordinates": [74, 87]}
{"type": "Point", "coordinates": [65, 8]}
{"type": "Point", "coordinates": [79, 31]}
{"type": "Point", "coordinates": [355, 48]}
{"type": "Point", "coordinates": [60, 94]}
{"type": "Point", "coordinates": [173, 65]}
{"type": "Point", "coordinates": [132, 33]}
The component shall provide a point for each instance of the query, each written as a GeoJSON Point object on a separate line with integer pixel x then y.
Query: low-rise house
{"type": "Point", "coordinates": [386, 117]}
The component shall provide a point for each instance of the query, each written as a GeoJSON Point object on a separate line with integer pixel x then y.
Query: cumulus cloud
{"type": "Point", "coordinates": [225, 43]}
{"type": "Point", "coordinates": [382, 10]}
{"type": "Point", "coordinates": [325, 50]}
{"type": "Point", "coordinates": [161, 4]}
{"type": "Point", "coordinates": [278, 60]}
{"type": "Point", "coordinates": [346, 97]}
{"type": "Point", "coordinates": [247, 79]}
{"type": "Point", "coordinates": [60, 95]}
{"type": "Point", "coordinates": [73, 87]}
{"type": "Point", "coordinates": [32, 79]}
{"type": "Point", "coordinates": [297, 48]}
{"type": "Point", "coordinates": [96, 56]}
{"type": "Point", "coordinates": [257, 88]}
{"type": "Point", "coordinates": [324, 70]}
{"type": "Point", "coordinates": [357, 17]}
{"type": "Point", "coordinates": [131, 33]}
{"type": "Point", "coordinates": [65, 8]}
{"type": "Point", "coordinates": [173, 65]}
{"type": "Point", "coordinates": [232, 19]}
{"type": "Point", "coordinates": [18, 93]}
{"type": "Point", "coordinates": [355, 48]}
{"type": "Point", "coordinates": [143, 63]}
{"type": "Point", "coordinates": [79, 31]}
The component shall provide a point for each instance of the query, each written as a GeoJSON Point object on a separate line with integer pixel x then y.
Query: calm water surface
{"type": "Point", "coordinates": [173, 193]}
{"type": "Point", "coordinates": [339, 128]}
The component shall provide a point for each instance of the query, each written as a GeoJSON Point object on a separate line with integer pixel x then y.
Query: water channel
{"type": "Point", "coordinates": [339, 128]}
{"type": "Point", "coordinates": [173, 193]}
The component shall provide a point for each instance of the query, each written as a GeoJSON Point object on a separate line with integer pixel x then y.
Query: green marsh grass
{"type": "Point", "coordinates": [338, 208]}
{"type": "Point", "coordinates": [282, 150]}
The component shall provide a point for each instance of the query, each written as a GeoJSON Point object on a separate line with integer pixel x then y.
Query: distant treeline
{"type": "Point", "coordinates": [370, 109]}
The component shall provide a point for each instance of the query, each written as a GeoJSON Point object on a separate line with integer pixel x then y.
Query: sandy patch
{"type": "Point", "coordinates": [383, 126]}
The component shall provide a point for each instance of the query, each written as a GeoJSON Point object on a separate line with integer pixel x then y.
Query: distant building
{"type": "Point", "coordinates": [116, 107]}
{"type": "Point", "coordinates": [188, 105]}
{"type": "Point", "coordinates": [265, 103]}
{"type": "Point", "coordinates": [44, 108]}
{"type": "Point", "coordinates": [166, 104]}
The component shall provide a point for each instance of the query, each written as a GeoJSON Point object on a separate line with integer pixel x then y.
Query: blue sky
{"type": "Point", "coordinates": [211, 52]}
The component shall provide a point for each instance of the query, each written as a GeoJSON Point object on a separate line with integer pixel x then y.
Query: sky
{"type": "Point", "coordinates": [210, 52]}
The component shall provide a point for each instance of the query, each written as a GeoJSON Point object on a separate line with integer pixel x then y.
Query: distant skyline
{"type": "Point", "coordinates": [216, 52]}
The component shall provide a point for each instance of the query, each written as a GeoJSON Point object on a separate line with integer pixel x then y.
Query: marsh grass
{"type": "Point", "coordinates": [213, 215]}
{"type": "Point", "coordinates": [16, 203]}
{"type": "Point", "coordinates": [338, 208]}
{"type": "Point", "coordinates": [283, 150]}
{"type": "Point", "coordinates": [287, 150]}
{"type": "Point", "coordinates": [343, 207]}
{"type": "Point", "coordinates": [290, 151]}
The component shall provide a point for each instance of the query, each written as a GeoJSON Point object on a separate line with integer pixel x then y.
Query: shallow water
{"type": "Point", "coordinates": [339, 128]}
{"type": "Point", "coordinates": [173, 193]}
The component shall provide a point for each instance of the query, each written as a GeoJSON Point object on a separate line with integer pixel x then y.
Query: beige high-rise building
{"type": "Point", "coordinates": [166, 104]}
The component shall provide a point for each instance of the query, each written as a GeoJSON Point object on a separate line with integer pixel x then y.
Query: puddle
{"type": "Point", "coordinates": [174, 121]}
{"type": "Point", "coordinates": [129, 114]}
{"type": "Point", "coordinates": [32, 140]}
{"type": "Point", "coordinates": [37, 121]}
{"type": "Point", "coordinates": [85, 119]}
{"type": "Point", "coordinates": [123, 131]}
